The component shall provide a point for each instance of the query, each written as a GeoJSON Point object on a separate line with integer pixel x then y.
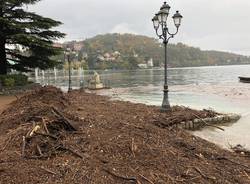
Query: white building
{"type": "Point", "coordinates": [143, 66]}
{"type": "Point", "coordinates": [150, 63]}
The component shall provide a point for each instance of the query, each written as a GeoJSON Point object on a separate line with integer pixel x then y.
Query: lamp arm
{"type": "Point", "coordinates": [172, 34]}
{"type": "Point", "coordinates": [157, 33]}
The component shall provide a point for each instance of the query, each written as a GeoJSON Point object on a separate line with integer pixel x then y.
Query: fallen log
{"type": "Point", "coordinates": [205, 123]}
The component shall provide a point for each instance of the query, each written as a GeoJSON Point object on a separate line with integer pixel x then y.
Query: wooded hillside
{"type": "Point", "coordinates": [126, 51]}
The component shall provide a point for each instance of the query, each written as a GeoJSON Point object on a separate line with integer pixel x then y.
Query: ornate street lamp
{"type": "Point", "coordinates": [68, 53]}
{"type": "Point", "coordinates": [162, 31]}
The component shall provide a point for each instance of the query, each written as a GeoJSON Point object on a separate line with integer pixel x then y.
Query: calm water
{"type": "Point", "coordinates": [203, 87]}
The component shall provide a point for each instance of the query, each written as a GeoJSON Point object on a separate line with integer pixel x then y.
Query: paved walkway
{"type": "Point", "coordinates": [5, 100]}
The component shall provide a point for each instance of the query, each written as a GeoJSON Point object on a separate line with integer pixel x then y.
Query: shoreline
{"type": "Point", "coordinates": [208, 133]}
{"type": "Point", "coordinates": [111, 138]}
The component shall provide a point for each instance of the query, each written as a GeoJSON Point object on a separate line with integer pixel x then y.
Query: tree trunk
{"type": "Point", "coordinates": [3, 60]}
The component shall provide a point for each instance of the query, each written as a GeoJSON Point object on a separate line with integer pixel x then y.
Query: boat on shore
{"type": "Point", "coordinates": [244, 79]}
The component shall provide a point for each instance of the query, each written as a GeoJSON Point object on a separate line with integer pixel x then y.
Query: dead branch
{"type": "Point", "coordinates": [247, 175]}
{"type": "Point", "coordinates": [234, 162]}
{"type": "Point", "coordinates": [49, 171]}
{"type": "Point", "coordinates": [23, 146]}
{"type": "Point", "coordinates": [37, 157]}
{"type": "Point", "coordinates": [133, 147]}
{"type": "Point", "coordinates": [203, 175]}
{"type": "Point", "coordinates": [8, 142]}
{"type": "Point", "coordinates": [34, 130]}
{"type": "Point", "coordinates": [47, 135]}
{"type": "Point", "coordinates": [133, 179]}
{"type": "Point", "coordinates": [72, 151]}
{"type": "Point", "coordinates": [135, 126]}
{"type": "Point", "coordinates": [39, 150]}
{"type": "Point", "coordinates": [148, 180]}
{"type": "Point", "coordinates": [60, 115]}
{"type": "Point", "coordinates": [45, 126]}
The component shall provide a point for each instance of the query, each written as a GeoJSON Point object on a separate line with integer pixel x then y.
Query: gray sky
{"type": "Point", "coordinates": [208, 24]}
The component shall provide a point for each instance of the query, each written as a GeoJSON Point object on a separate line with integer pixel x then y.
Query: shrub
{"type": "Point", "coordinates": [14, 80]}
{"type": "Point", "coordinates": [20, 79]}
{"type": "Point", "coordinates": [9, 82]}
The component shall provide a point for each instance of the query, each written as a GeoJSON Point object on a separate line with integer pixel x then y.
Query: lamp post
{"type": "Point", "coordinates": [69, 52]}
{"type": "Point", "coordinates": [162, 31]}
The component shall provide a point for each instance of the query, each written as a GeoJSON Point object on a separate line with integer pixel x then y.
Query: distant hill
{"type": "Point", "coordinates": [126, 51]}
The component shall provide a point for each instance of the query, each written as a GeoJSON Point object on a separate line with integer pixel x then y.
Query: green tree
{"type": "Point", "coordinates": [132, 62]}
{"type": "Point", "coordinates": [26, 39]}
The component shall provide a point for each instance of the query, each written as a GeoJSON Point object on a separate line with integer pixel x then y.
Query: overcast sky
{"type": "Point", "coordinates": [208, 24]}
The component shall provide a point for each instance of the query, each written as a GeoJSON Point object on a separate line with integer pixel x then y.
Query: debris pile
{"type": "Point", "coordinates": [45, 139]}
{"type": "Point", "coordinates": [51, 137]}
{"type": "Point", "coordinates": [37, 103]}
{"type": "Point", "coordinates": [240, 150]}
{"type": "Point", "coordinates": [37, 121]}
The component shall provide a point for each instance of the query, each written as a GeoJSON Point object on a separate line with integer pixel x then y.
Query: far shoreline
{"type": "Point", "coordinates": [169, 67]}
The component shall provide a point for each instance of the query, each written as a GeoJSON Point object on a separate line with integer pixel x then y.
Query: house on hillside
{"type": "Point", "coordinates": [78, 46]}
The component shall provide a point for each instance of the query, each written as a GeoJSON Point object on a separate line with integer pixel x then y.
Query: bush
{"type": "Point", "coordinates": [20, 79]}
{"type": "Point", "coordinates": [14, 80]}
{"type": "Point", "coordinates": [9, 82]}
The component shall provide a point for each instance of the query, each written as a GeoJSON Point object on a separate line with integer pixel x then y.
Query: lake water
{"type": "Point", "coordinates": [202, 87]}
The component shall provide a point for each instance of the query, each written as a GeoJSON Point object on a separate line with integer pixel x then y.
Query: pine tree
{"type": "Point", "coordinates": [26, 39]}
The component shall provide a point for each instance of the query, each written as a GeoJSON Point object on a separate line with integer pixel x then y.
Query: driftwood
{"type": "Point", "coordinates": [240, 149]}
{"type": "Point", "coordinates": [203, 175]}
{"type": "Point", "coordinates": [45, 139]}
{"type": "Point", "coordinates": [133, 147]}
{"type": "Point", "coordinates": [45, 126]}
{"type": "Point", "coordinates": [205, 123]}
{"type": "Point", "coordinates": [46, 135]}
{"type": "Point", "coordinates": [234, 162]}
{"type": "Point", "coordinates": [23, 146]}
{"type": "Point", "coordinates": [71, 151]}
{"type": "Point", "coordinates": [247, 175]}
{"type": "Point", "coordinates": [59, 115]}
{"type": "Point", "coordinates": [132, 179]}
{"type": "Point", "coordinates": [39, 150]}
{"type": "Point", "coordinates": [148, 180]}
{"type": "Point", "coordinates": [8, 142]}
{"type": "Point", "coordinates": [49, 171]}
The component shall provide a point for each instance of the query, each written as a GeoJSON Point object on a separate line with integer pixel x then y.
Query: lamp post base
{"type": "Point", "coordinates": [165, 104]}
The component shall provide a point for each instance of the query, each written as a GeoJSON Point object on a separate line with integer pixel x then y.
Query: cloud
{"type": "Point", "coordinates": [209, 24]}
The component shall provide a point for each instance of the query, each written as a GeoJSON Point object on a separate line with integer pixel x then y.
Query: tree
{"type": "Point", "coordinates": [132, 62]}
{"type": "Point", "coordinates": [26, 39]}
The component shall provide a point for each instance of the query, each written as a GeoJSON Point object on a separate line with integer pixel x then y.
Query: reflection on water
{"type": "Point", "coordinates": [202, 87]}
